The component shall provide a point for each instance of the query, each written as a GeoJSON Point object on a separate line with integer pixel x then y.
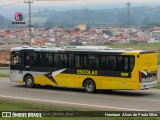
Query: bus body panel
{"type": "Point", "coordinates": [116, 83]}
{"type": "Point", "coordinates": [16, 75]}
{"type": "Point", "coordinates": [148, 70]}
{"type": "Point", "coordinates": [103, 78]}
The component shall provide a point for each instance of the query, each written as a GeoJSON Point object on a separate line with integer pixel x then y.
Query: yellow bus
{"type": "Point", "coordinates": [88, 67]}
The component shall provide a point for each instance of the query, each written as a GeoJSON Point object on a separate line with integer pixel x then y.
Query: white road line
{"type": "Point", "coordinates": [78, 104]}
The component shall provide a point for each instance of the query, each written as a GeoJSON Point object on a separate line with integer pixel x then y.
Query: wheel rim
{"type": "Point", "coordinates": [89, 86]}
{"type": "Point", "coordinates": [29, 81]}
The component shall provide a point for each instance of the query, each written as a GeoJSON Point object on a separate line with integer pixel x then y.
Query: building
{"type": "Point", "coordinates": [82, 27]}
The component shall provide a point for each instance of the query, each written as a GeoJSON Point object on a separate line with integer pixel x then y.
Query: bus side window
{"type": "Point", "coordinates": [112, 63]}
{"type": "Point", "coordinates": [77, 61]}
{"type": "Point", "coordinates": [56, 59]}
{"type": "Point", "coordinates": [50, 60]}
{"type": "Point", "coordinates": [131, 63]}
{"type": "Point", "coordinates": [28, 59]}
{"type": "Point", "coordinates": [126, 65]}
{"type": "Point", "coordinates": [93, 62]}
{"type": "Point", "coordinates": [45, 59]}
{"type": "Point", "coordinates": [37, 59]}
{"type": "Point", "coordinates": [120, 64]}
{"type": "Point", "coordinates": [71, 60]}
{"type": "Point", "coordinates": [102, 62]}
{"type": "Point", "coordinates": [16, 60]}
{"type": "Point", "coordinates": [63, 60]}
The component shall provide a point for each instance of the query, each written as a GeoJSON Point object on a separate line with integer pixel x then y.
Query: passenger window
{"type": "Point", "coordinates": [16, 60]}
{"type": "Point", "coordinates": [93, 61]}
{"type": "Point", "coordinates": [81, 61]}
{"type": "Point", "coordinates": [45, 59]}
{"type": "Point", "coordinates": [112, 62]}
{"type": "Point", "coordinates": [131, 63]}
{"type": "Point", "coordinates": [50, 57]}
{"type": "Point", "coordinates": [78, 63]}
{"type": "Point", "coordinates": [120, 63]}
{"type": "Point", "coordinates": [117, 63]}
{"type": "Point", "coordinates": [29, 59]}
{"type": "Point", "coordinates": [126, 65]}
{"type": "Point", "coordinates": [71, 60]}
{"type": "Point", "coordinates": [56, 59]}
{"type": "Point", "coordinates": [104, 63]}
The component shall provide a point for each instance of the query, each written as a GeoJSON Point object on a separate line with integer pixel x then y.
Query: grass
{"type": "Point", "coordinates": [4, 68]}
{"type": "Point", "coordinates": [145, 46]}
{"type": "Point", "coordinates": [4, 75]}
{"type": "Point", "coordinates": [158, 85]}
{"type": "Point", "coordinates": [6, 105]}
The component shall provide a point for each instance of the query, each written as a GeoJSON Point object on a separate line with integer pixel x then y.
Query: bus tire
{"type": "Point", "coordinates": [89, 86]}
{"type": "Point", "coordinates": [29, 81]}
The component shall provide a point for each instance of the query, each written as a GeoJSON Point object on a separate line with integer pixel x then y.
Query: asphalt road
{"type": "Point", "coordinates": [4, 71]}
{"type": "Point", "coordinates": [148, 100]}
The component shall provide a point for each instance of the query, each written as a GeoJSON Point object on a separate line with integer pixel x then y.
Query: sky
{"type": "Point", "coordinates": [9, 7]}
{"type": "Point", "coordinates": [73, 2]}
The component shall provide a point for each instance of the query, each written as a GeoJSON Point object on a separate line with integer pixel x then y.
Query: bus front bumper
{"type": "Point", "coordinates": [148, 85]}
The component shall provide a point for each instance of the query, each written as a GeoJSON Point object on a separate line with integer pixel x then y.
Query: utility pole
{"type": "Point", "coordinates": [29, 24]}
{"type": "Point", "coordinates": [129, 12]}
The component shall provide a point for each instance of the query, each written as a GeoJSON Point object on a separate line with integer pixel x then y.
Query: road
{"type": "Point", "coordinates": [4, 71]}
{"type": "Point", "coordinates": [148, 100]}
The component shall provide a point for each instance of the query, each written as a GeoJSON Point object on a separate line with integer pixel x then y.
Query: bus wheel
{"type": "Point", "coordinates": [29, 82]}
{"type": "Point", "coordinates": [89, 86]}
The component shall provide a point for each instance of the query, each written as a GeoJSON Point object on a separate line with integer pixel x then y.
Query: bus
{"type": "Point", "coordinates": [87, 67]}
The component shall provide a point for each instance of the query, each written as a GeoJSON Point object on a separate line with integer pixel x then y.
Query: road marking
{"type": "Point", "coordinates": [78, 104]}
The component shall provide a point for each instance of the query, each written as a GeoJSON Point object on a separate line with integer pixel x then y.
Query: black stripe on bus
{"type": "Point", "coordinates": [101, 73]}
{"type": "Point", "coordinates": [50, 77]}
{"type": "Point", "coordinates": [108, 73]}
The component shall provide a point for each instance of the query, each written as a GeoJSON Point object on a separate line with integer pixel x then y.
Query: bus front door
{"type": "Point", "coordinates": [16, 67]}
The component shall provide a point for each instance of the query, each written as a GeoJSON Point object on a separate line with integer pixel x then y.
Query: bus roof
{"type": "Point", "coordinates": [91, 49]}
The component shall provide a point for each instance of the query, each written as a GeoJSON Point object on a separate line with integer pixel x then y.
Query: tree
{"type": "Point", "coordinates": [77, 29]}
{"type": "Point", "coordinates": [76, 43]}
{"type": "Point", "coordinates": [107, 32]}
